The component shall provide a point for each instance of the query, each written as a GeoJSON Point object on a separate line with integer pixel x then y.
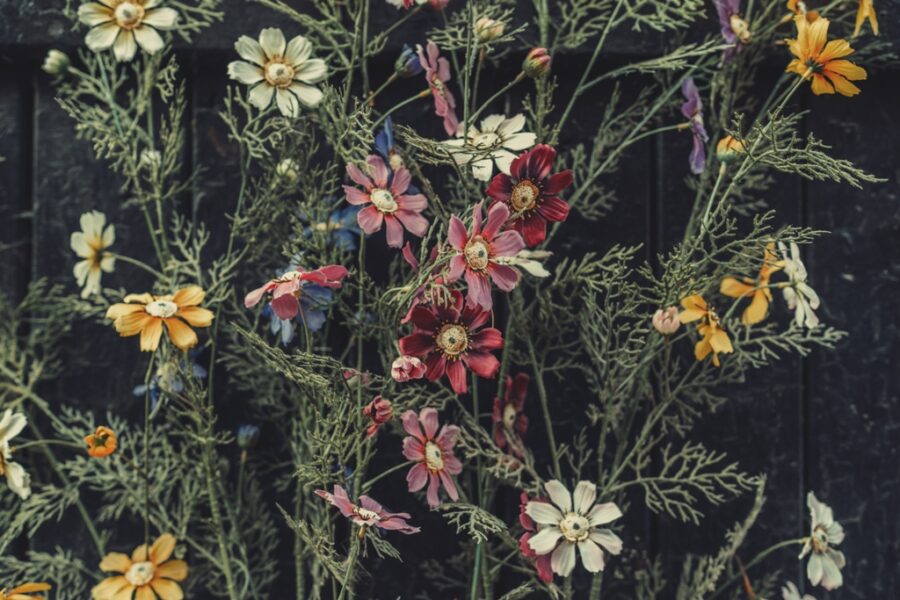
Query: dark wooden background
{"type": "Point", "coordinates": [829, 423]}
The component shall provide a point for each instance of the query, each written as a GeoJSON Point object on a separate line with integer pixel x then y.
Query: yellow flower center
{"type": "Point", "coordinates": [129, 15]}
{"type": "Point", "coordinates": [366, 514]}
{"type": "Point", "coordinates": [819, 540]}
{"type": "Point", "coordinates": [384, 201]}
{"type": "Point", "coordinates": [476, 253]}
{"type": "Point", "coordinates": [396, 160]}
{"type": "Point", "coordinates": [278, 73]}
{"type": "Point", "coordinates": [452, 339]}
{"type": "Point", "coordinates": [486, 140]}
{"type": "Point", "coordinates": [740, 28]}
{"type": "Point", "coordinates": [574, 527]}
{"type": "Point", "coordinates": [509, 416]}
{"type": "Point", "coordinates": [524, 196]}
{"type": "Point", "coordinates": [2, 464]}
{"type": "Point", "coordinates": [140, 574]}
{"type": "Point", "coordinates": [434, 458]}
{"type": "Point", "coordinates": [161, 308]}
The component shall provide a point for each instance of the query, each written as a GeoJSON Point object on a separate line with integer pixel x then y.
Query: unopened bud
{"type": "Point", "coordinates": [537, 63]}
{"type": "Point", "coordinates": [56, 63]}
{"type": "Point", "coordinates": [488, 30]}
{"type": "Point", "coordinates": [729, 148]}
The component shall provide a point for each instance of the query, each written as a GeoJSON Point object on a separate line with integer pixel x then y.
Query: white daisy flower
{"type": "Point", "coordinates": [530, 261]}
{"type": "Point", "coordinates": [567, 525]}
{"type": "Point", "coordinates": [790, 592]}
{"type": "Point", "coordinates": [90, 244]}
{"type": "Point", "coordinates": [800, 298]}
{"type": "Point", "coordinates": [126, 24]}
{"type": "Point", "coordinates": [493, 143]}
{"type": "Point", "coordinates": [279, 69]}
{"type": "Point", "coordinates": [16, 478]}
{"type": "Point", "coordinates": [825, 563]}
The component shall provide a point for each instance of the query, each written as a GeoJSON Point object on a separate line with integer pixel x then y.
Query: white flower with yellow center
{"type": "Point", "coordinates": [16, 478]}
{"type": "Point", "coordinates": [825, 563]}
{"type": "Point", "coordinates": [90, 244]}
{"type": "Point", "coordinates": [126, 24]}
{"type": "Point", "coordinates": [495, 142]}
{"type": "Point", "coordinates": [279, 69]}
{"type": "Point", "coordinates": [566, 524]}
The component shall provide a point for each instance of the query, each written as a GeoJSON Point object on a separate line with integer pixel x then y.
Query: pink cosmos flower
{"type": "Point", "coordinates": [478, 250]}
{"type": "Point", "coordinates": [450, 338]}
{"type": "Point", "coordinates": [433, 452]}
{"type": "Point", "coordinates": [379, 411]}
{"type": "Point", "coordinates": [367, 512]}
{"type": "Point", "coordinates": [286, 289]}
{"type": "Point", "coordinates": [437, 73]}
{"type": "Point", "coordinates": [389, 204]}
{"type": "Point", "coordinates": [541, 562]}
{"type": "Point", "coordinates": [405, 368]}
{"type": "Point", "coordinates": [510, 423]}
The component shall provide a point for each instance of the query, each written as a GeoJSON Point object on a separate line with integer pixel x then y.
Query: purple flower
{"type": "Point", "coordinates": [692, 109]}
{"type": "Point", "coordinates": [734, 28]}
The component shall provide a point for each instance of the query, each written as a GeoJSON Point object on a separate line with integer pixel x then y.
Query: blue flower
{"type": "Point", "coordinates": [314, 302]}
{"type": "Point", "coordinates": [341, 226]}
{"type": "Point", "coordinates": [408, 63]}
{"type": "Point", "coordinates": [168, 379]}
{"type": "Point", "coordinates": [247, 436]}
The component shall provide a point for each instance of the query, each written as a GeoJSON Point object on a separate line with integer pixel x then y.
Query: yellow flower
{"type": "Point", "coordinates": [866, 9]}
{"type": "Point", "coordinates": [101, 443]}
{"type": "Point", "coordinates": [89, 243]}
{"type": "Point", "coordinates": [757, 289]}
{"type": "Point", "coordinates": [822, 61]}
{"type": "Point", "coordinates": [146, 575]}
{"type": "Point", "coordinates": [145, 314]}
{"type": "Point", "coordinates": [714, 338]}
{"type": "Point", "coordinates": [21, 592]}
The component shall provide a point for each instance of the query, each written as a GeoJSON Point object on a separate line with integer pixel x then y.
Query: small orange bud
{"type": "Point", "coordinates": [101, 443]}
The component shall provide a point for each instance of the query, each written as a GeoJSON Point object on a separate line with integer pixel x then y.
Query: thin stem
{"type": "Point", "coordinates": [545, 407]}
{"type": "Point", "coordinates": [371, 482]}
{"type": "Point", "coordinates": [410, 100]}
{"type": "Point", "coordinates": [488, 102]}
{"type": "Point", "coordinates": [214, 509]}
{"type": "Point", "coordinates": [137, 263]}
{"type": "Point", "coordinates": [351, 565]}
{"type": "Point", "coordinates": [473, 588]}
{"type": "Point", "coordinates": [381, 88]}
{"type": "Point", "coordinates": [759, 557]}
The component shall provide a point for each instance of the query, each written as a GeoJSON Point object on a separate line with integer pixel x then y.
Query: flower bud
{"type": "Point", "coordinates": [150, 159]}
{"type": "Point", "coordinates": [247, 436]}
{"type": "Point", "coordinates": [288, 169]}
{"type": "Point", "coordinates": [438, 5]}
{"type": "Point", "coordinates": [101, 443]}
{"type": "Point", "coordinates": [407, 64]}
{"type": "Point", "coordinates": [488, 30]}
{"type": "Point", "coordinates": [405, 368]}
{"type": "Point", "coordinates": [537, 63]}
{"type": "Point", "coordinates": [666, 321]}
{"type": "Point", "coordinates": [56, 63]}
{"type": "Point", "coordinates": [380, 411]}
{"type": "Point", "coordinates": [729, 148]}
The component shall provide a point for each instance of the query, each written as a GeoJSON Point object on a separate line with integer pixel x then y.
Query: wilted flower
{"type": "Point", "coordinates": [510, 422]}
{"type": "Point", "coordinates": [476, 252]}
{"type": "Point", "coordinates": [432, 451]}
{"type": "Point", "coordinates": [148, 573]}
{"type": "Point", "coordinates": [379, 411]}
{"type": "Point", "coordinates": [408, 63]}
{"type": "Point", "coordinates": [823, 62]}
{"type": "Point", "coordinates": [367, 512]}
{"type": "Point", "coordinates": [21, 592]}
{"type": "Point", "coordinates": [247, 436]}
{"type": "Point", "coordinates": [145, 314]}
{"type": "Point", "coordinates": [126, 24]}
{"type": "Point", "coordinates": [56, 63]}
{"type": "Point", "coordinates": [490, 144]}
{"type": "Point", "coordinates": [287, 289]}
{"type": "Point", "coordinates": [692, 109]}
{"type": "Point", "coordinates": [90, 244]}
{"type": "Point", "coordinates": [487, 29]}
{"type": "Point", "coordinates": [865, 11]}
{"type": "Point", "coordinates": [279, 69]}
{"type": "Point", "coordinates": [541, 562]}
{"type": "Point", "coordinates": [537, 63]}
{"type": "Point", "coordinates": [825, 563]}
{"type": "Point", "coordinates": [567, 525]}
{"type": "Point", "coordinates": [17, 479]}
{"type": "Point", "coordinates": [800, 297]}
{"type": "Point", "coordinates": [666, 320]}
{"type": "Point", "coordinates": [729, 148]}
{"type": "Point", "coordinates": [101, 443]}
{"type": "Point", "coordinates": [734, 28]}
{"type": "Point", "coordinates": [405, 368]}
{"type": "Point", "coordinates": [758, 288]}
{"type": "Point", "coordinates": [437, 74]}
{"type": "Point", "coordinates": [790, 592]}
{"type": "Point", "coordinates": [714, 339]}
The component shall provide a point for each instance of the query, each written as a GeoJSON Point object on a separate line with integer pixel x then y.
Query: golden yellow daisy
{"type": "Point", "coordinates": [714, 339]}
{"type": "Point", "coordinates": [22, 592]}
{"type": "Point", "coordinates": [757, 289]}
{"type": "Point", "coordinates": [823, 61]}
{"type": "Point", "coordinates": [866, 10]}
{"type": "Point", "coordinates": [145, 314]}
{"type": "Point", "coordinates": [146, 575]}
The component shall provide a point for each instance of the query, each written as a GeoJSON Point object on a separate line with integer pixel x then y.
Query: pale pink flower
{"type": "Point", "coordinates": [405, 368]}
{"type": "Point", "coordinates": [666, 320]}
{"type": "Point", "coordinates": [437, 74]}
{"type": "Point", "coordinates": [287, 288]}
{"type": "Point", "coordinates": [380, 411]}
{"type": "Point", "coordinates": [432, 451]}
{"type": "Point", "coordinates": [367, 512]}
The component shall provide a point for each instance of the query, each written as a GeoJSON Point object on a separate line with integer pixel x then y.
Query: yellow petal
{"type": "Point", "coordinates": [117, 310]}
{"type": "Point", "coordinates": [173, 569]}
{"type": "Point", "coordinates": [702, 349]}
{"type": "Point", "coordinates": [757, 310]}
{"type": "Point", "coordinates": [167, 589]}
{"type": "Point", "coordinates": [132, 324]}
{"type": "Point", "coordinates": [835, 49]}
{"type": "Point", "coordinates": [196, 316]}
{"type": "Point", "coordinates": [820, 85]}
{"type": "Point", "coordinates": [846, 69]}
{"type": "Point", "coordinates": [720, 342]}
{"type": "Point", "coordinates": [30, 587]}
{"type": "Point", "coordinates": [844, 87]}
{"type": "Point", "coordinates": [109, 587]}
{"type": "Point", "coordinates": [139, 298]}
{"type": "Point", "coordinates": [162, 548]}
{"type": "Point", "coordinates": [180, 334]}
{"type": "Point", "coordinates": [115, 562]}
{"type": "Point", "coordinates": [694, 301]}
{"type": "Point", "coordinates": [816, 36]}
{"type": "Point", "coordinates": [144, 593]}
{"type": "Point", "coordinates": [191, 295]}
{"type": "Point", "coordinates": [139, 554]}
{"type": "Point", "coordinates": [735, 289]}
{"type": "Point", "coordinates": [150, 335]}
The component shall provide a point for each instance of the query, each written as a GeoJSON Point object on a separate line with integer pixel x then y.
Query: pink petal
{"type": "Point", "coordinates": [428, 417]}
{"type": "Point", "coordinates": [379, 171]}
{"type": "Point", "coordinates": [253, 298]}
{"type": "Point", "coordinates": [497, 216]}
{"type": "Point", "coordinates": [484, 364]}
{"type": "Point", "coordinates": [413, 449]}
{"type": "Point", "coordinates": [476, 218]}
{"type": "Point", "coordinates": [356, 196]}
{"type": "Point", "coordinates": [449, 485]}
{"type": "Point", "coordinates": [505, 277]}
{"type": "Point", "coordinates": [434, 484]}
{"type": "Point", "coordinates": [401, 180]}
{"type": "Point", "coordinates": [414, 223]}
{"type": "Point", "coordinates": [443, 69]}
{"type": "Point", "coordinates": [394, 231]}
{"type": "Point", "coordinates": [457, 268]}
{"type": "Point", "coordinates": [370, 219]}
{"type": "Point", "coordinates": [410, 422]}
{"type": "Point", "coordinates": [508, 243]}
{"type": "Point", "coordinates": [417, 344]}
{"type": "Point", "coordinates": [358, 176]}
{"type": "Point", "coordinates": [414, 202]}
{"type": "Point", "coordinates": [409, 257]}
{"type": "Point", "coordinates": [452, 465]}
{"type": "Point", "coordinates": [456, 373]}
{"type": "Point", "coordinates": [479, 290]}
{"type": "Point", "coordinates": [446, 439]}
{"type": "Point", "coordinates": [417, 477]}
{"type": "Point", "coordinates": [457, 234]}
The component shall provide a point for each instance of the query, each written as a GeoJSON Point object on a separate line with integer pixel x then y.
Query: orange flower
{"type": "Point", "coordinates": [866, 9]}
{"type": "Point", "coordinates": [21, 592]}
{"type": "Point", "coordinates": [101, 443]}
{"type": "Point", "coordinates": [146, 575]}
{"type": "Point", "coordinates": [757, 289]}
{"type": "Point", "coordinates": [823, 61]}
{"type": "Point", "coordinates": [798, 7]}
{"type": "Point", "coordinates": [714, 338]}
{"type": "Point", "coordinates": [145, 314]}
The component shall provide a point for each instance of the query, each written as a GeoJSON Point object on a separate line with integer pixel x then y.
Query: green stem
{"type": "Point", "coordinates": [759, 557]}
{"type": "Point", "coordinates": [545, 408]}
{"type": "Point", "coordinates": [473, 588]}
{"type": "Point", "coordinates": [351, 565]}
{"type": "Point", "coordinates": [137, 263]}
{"type": "Point", "coordinates": [410, 100]}
{"type": "Point", "coordinates": [596, 586]}
{"type": "Point", "coordinates": [488, 102]}
{"type": "Point", "coordinates": [382, 87]}
{"type": "Point", "coordinates": [215, 511]}
{"type": "Point", "coordinates": [371, 482]}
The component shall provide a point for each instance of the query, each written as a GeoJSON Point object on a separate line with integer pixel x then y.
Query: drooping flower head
{"type": "Point", "coordinates": [825, 563]}
{"type": "Point", "coordinates": [126, 24]}
{"type": "Point", "coordinates": [492, 143]}
{"type": "Point", "coordinates": [247, 436]}
{"type": "Point", "coordinates": [17, 479]}
{"type": "Point", "coordinates": [101, 443]}
{"type": "Point", "coordinates": [729, 149]}
{"type": "Point", "coordinates": [315, 301]}
{"type": "Point", "coordinates": [478, 250]}
{"type": "Point", "coordinates": [568, 524]}
{"type": "Point", "coordinates": [735, 29]}
{"type": "Point", "coordinates": [865, 11]}
{"type": "Point", "coordinates": [406, 368]}
{"type": "Point", "coordinates": [387, 202]}
{"type": "Point", "coordinates": [148, 574]}
{"type": "Point", "coordinates": [541, 562]}
{"type": "Point", "coordinates": [90, 244]}
{"type": "Point", "coordinates": [167, 378]}
{"type": "Point", "coordinates": [757, 289]}
{"type": "Point", "coordinates": [367, 512]}
{"type": "Point", "coordinates": [798, 294]}
{"type": "Point", "coordinates": [510, 422]}
{"type": "Point", "coordinates": [692, 109]}
{"type": "Point", "coordinates": [822, 61]}
{"type": "Point", "coordinates": [437, 74]}
{"type": "Point", "coordinates": [56, 63]}
{"type": "Point", "coordinates": [24, 591]}
{"type": "Point", "coordinates": [452, 337]}
{"type": "Point", "coordinates": [379, 411]}
{"type": "Point", "coordinates": [407, 63]}
{"type": "Point", "coordinates": [532, 193]}
{"type": "Point", "coordinates": [487, 30]}
{"type": "Point", "coordinates": [279, 69]}
{"type": "Point", "coordinates": [432, 451]}
{"type": "Point", "coordinates": [714, 339]}
{"type": "Point", "coordinates": [666, 320]}
{"type": "Point", "coordinates": [536, 63]}
{"type": "Point", "coordinates": [145, 314]}
{"type": "Point", "coordinates": [286, 289]}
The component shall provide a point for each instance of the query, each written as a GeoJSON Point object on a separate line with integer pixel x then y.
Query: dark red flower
{"type": "Point", "coordinates": [541, 562]}
{"type": "Point", "coordinates": [532, 193]}
{"type": "Point", "coordinates": [510, 423]}
{"type": "Point", "coordinates": [452, 337]}
{"type": "Point", "coordinates": [379, 411]}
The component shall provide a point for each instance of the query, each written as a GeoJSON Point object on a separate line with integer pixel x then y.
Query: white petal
{"type": "Point", "coordinates": [125, 46]}
{"type": "Point", "coordinates": [288, 105]}
{"type": "Point", "coordinates": [261, 96]}
{"type": "Point", "coordinates": [272, 41]}
{"type": "Point", "coordinates": [504, 159]}
{"type": "Point", "coordinates": [92, 223]}
{"type": "Point", "coordinates": [608, 540]}
{"type": "Point", "coordinates": [604, 513]}
{"type": "Point", "coordinates": [161, 18]}
{"type": "Point", "coordinates": [819, 511]}
{"type": "Point", "coordinates": [246, 73]}
{"type": "Point", "coordinates": [545, 540]}
{"type": "Point", "coordinates": [483, 169]}
{"type": "Point", "coordinates": [102, 37]}
{"type": "Point", "coordinates": [298, 50]}
{"type": "Point", "coordinates": [109, 236]}
{"type": "Point", "coordinates": [835, 533]}
{"type": "Point", "coordinates": [249, 49]}
{"type": "Point", "coordinates": [559, 495]}
{"type": "Point", "coordinates": [591, 556]}
{"type": "Point", "coordinates": [491, 123]}
{"type": "Point", "coordinates": [520, 141]}
{"type": "Point", "coordinates": [543, 513]}
{"type": "Point", "coordinates": [11, 425]}
{"type": "Point", "coordinates": [78, 242]}
{"type": "Point", "coordinates": [18, 480]}
{"type": "Point", "coordinates": [80, 271]}
{"type": "Point", "coordinates": [309, 96]}
{"type": "Point", "coordinates": [311, 71]}
{"type": "Point", "coordinates": [511, 126]}
{"type": "Point", "coordinates": [148, 39]}
{"type": "Point", "coordinates": [563, 559]}
{"type": "Point", "coordinates": [108, 263]}
{"type": "Point", "coordinates": [831, 575]}
{"type": "Point", "coordinates": [814, 569]}
{"type": "Point", "coordinates": [92, 284]}
{"type": "Point", "coordinates": [533, 268]}
{"type": "Point", "coordinates": [94, 13]}
{"type": "Point", "coordinates": [585, 494]}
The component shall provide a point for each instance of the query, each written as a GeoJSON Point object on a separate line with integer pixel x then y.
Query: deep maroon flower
{"type": "Point", "coordinates": [423, 293]}
{"type": "Point", "coordinates": [437, 74]}
{"type": "Point", "coordinates": [510, 423]}
{"type": "Point", "coordinates": [406, 368]}
{"type": "Point", "coordinates": [451, 338]}
{"type": "Point", "coordinates": [286, 290]}
{"type": "Point", "coordinates": [734, 28]}
{"type": "Point", "coordinates": [367, 512]}
{"type": "Point", "coordinates": [692, 109]}
{"type": "Point", "coordinates": [531, 193]}
{"type": "Point", "coordinates": [477, 251]}
{"type": "Point", "coordinates": [432, 451]}
{"type": "Point", "coordinates": [379, 411]}
{"type": "Point", "coordinates": [541, 562]}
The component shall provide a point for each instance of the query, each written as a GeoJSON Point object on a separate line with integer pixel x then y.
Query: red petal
{"type": "Point", "coordinates": [456, 373]}
{"type": "Point", "coordinates": [553, 209]}
{"type": "Point", "coordinates": [501, 187]}
{"type": "Point", "coordinates": [484, 364]}
{"type": "Point", "coordinates": [488, 338]}
{"type": "Point", "coordinates": [534, 230]}
{"type": "Point", "coordinates": [417, 344]}
{"type": "Point", "coordinates": [424, 319]}
{"type": "Point", "coordinates": [540, 161]}
{"type": "Point", "coordinates": [557, 182]}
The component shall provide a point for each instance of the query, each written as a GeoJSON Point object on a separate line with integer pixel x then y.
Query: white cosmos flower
{"type": "Point", "coordinates": [126, 24]}
{"type": "Point", "coordinates": [800, 298]}
{"type": "Point", "coordinates": [790, 592]}
{"type": "Point", "coordinates": [493, 143]}
{"type": "Point", "coordinates": [90, 244]}
{"type": "Point", "coordinates": [16, 478]}
{"type": "Point", "coordinates": [279, 69]}
{"type": "Point", "coordinates": [825, 563]}
{"type": "Point", "coordinates": [565, 525]}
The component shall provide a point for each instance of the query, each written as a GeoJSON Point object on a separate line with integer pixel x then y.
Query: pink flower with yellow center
{"type": "Point", "coordinates": [286, 289]}
{"type": "Point", "coordinates": [432, 451]}
{"type": "Point", "coordinates": [437, 74]}
{"type": "Point", "coordinates": [366, 512]}
{"type": "Point", "coordinates": [510, 423]}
